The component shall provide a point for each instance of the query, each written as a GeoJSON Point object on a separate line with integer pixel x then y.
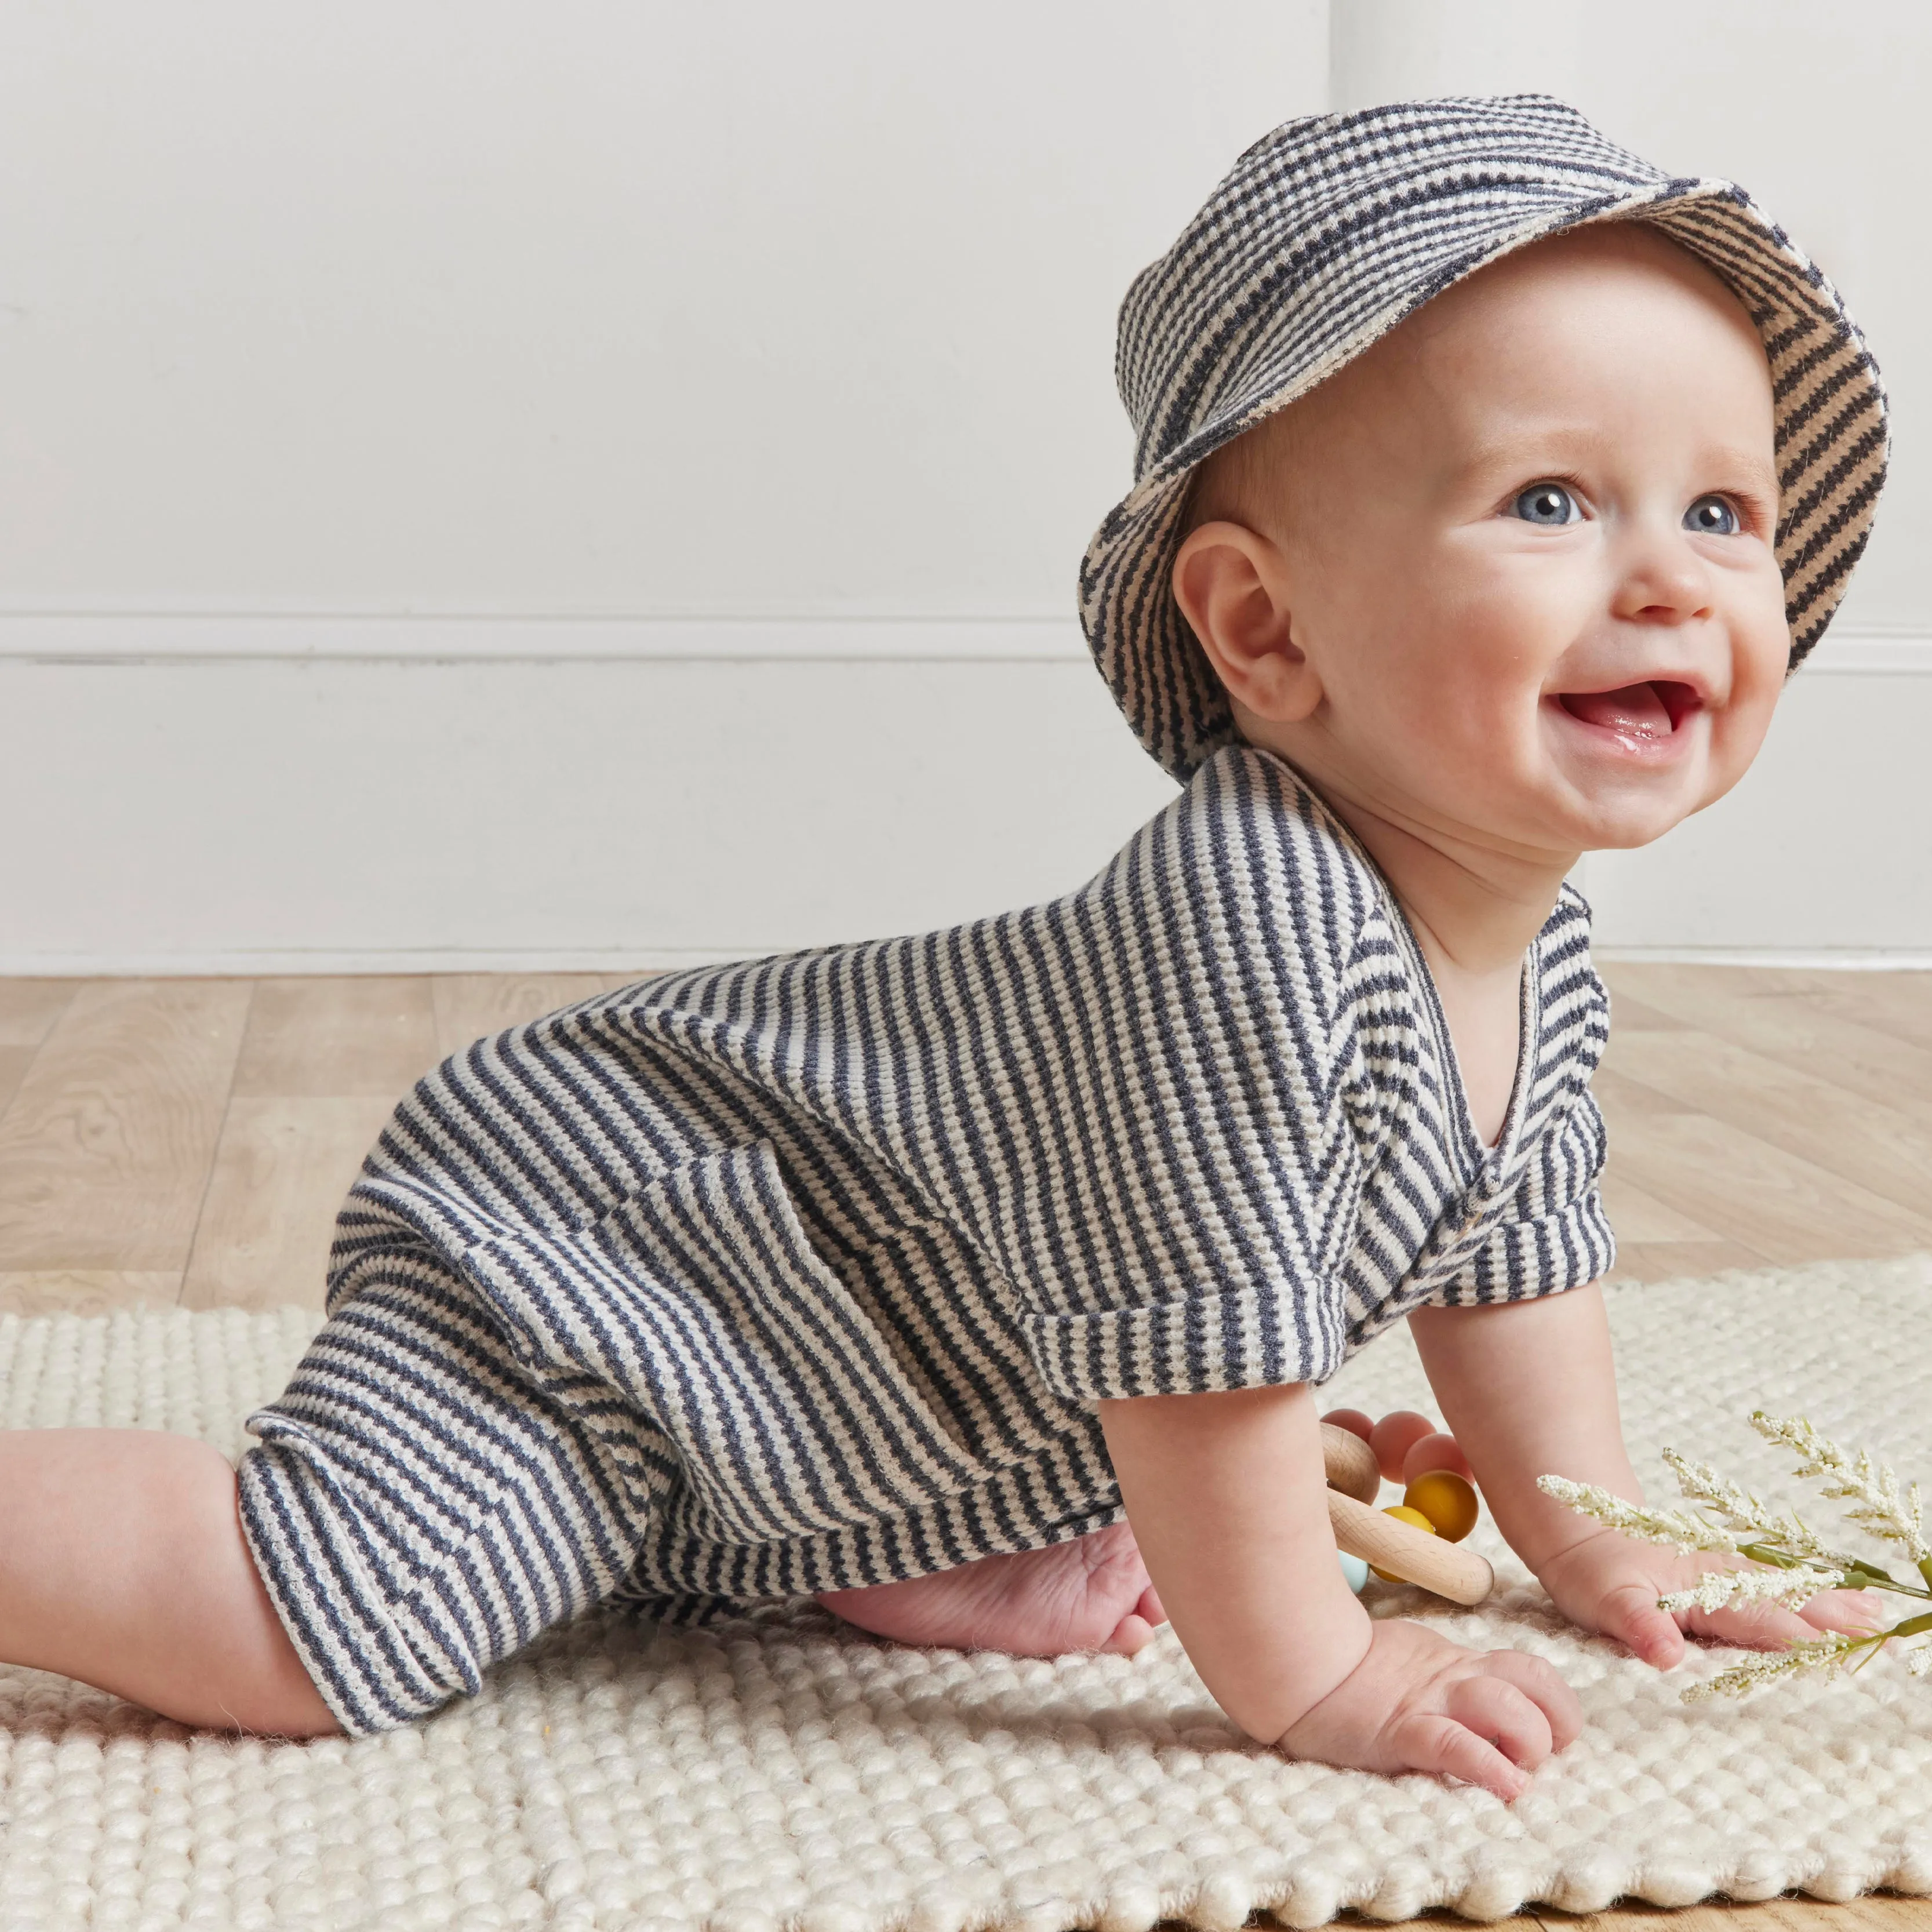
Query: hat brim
{"type": "Point", "coordinates": [1830, 443]}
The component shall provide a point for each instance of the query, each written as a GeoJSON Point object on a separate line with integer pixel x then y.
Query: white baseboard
{"type": "Point", "coordinates": [301, 963]}
{"type": "Point", "coordinates": [1817, 960]}
{"type": "Point", "coordinates": [99, 637]}
{"type": "Point", "coordinates": [56, 636]}
{"type": "Point", "coordinates": [394, 963]}
{"type": "Point", "coordinates": [1870, 654]}
{"type": "Point", "coordinates": [234, 794]}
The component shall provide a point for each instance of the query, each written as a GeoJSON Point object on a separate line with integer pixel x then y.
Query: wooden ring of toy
{"type": "Point", "coordinates": [1414, 1555]}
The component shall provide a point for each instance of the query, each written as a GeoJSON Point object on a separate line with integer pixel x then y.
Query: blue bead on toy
{"type": "Point", "coordinates": [1355, 1570]}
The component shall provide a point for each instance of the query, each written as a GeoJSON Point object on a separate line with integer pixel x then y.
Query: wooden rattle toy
{"type": "Point", "coordinates": [1416, 1541]}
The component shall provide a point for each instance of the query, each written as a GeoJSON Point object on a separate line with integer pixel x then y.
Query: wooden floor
{"type": "Point", "coordinates": [187, 1141]}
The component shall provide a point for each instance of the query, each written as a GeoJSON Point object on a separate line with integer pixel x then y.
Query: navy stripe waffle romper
{"type": "Point", "coordinates": [804, 1273]}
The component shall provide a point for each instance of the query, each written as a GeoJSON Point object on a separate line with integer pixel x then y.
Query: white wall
{"type": "Point", "coordinates": [480, 484]}
{"type": "Point", "coordinates": [348, 815]}
{"type": "Point", "coordinates": [616, 306]}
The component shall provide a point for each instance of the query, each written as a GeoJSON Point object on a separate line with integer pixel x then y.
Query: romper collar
{"type": "Point", "coordinates": [1496, 1167]}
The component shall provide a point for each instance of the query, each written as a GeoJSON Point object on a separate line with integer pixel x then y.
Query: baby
{"type": "Point", "coordinates": [979, 1283]}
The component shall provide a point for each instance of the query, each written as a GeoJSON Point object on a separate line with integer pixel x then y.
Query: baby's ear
{"type": "Point", "coordinates": [1231, 583]}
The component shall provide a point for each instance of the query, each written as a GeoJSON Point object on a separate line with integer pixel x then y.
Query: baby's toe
{"type": "Point", "coordinates": [1136, 1630]}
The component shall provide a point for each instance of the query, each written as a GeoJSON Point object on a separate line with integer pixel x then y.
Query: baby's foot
{"type": "Point", "coordinates": [1091, 1593]}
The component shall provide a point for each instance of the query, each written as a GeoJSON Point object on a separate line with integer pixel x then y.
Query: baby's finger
{"type": "Point", "coordinates": [1761, 1627]}
{"type": "Point", "coordinates": [1631, 1616]}
{"type": "Point", "coordinates": [1500, 1712]}
{"type": "Point", "coordinates": [1859, 1612]}
{"type": "Point", "coordinates": [1428, 1741]}
{"type": "Point", "coordinates": [1548, 1690]}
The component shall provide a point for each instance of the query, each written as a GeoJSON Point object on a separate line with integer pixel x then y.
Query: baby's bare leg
{"type": "Point", "coordinates": [122, 1564]}
{"type": "Point", "coordinates": [1090, 1594]}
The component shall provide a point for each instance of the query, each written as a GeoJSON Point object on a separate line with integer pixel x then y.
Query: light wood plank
{"type": "Point", "coordinates": [1850, 1135]}
{"type": "Point", "coordinates": [1881, 1911]}
{"type": "Point", "coordinates": [1727, 983]}
{"type": "Point", "coordinates": [1762, 1198]}
{"type": "Point", "coordinates": [615, 982]}
{"type": "Point", "coordinates": [1638, 1217]}
{"type": "Point", "coordinates": [280, 1173]}
{"type": "Point", "coordinates": [1792, 1028]}
{"type": "Point", "coordinates": [1878, 1911]}
{"type": "Point", "coordinates": [1679, 1261]}
{"type": "Point", "coordinates": [14, 1061]}
{"type": "Point", "coordinates": [1628, 1104]}
{"type": "Point", "coordinates": [322, 1036]}
{"type": "Point", "coordinates": [1447, 1922]}
{"type": "Point", "coordinates": [470, 1005]}
{"type": "Point", "coordinates": [1628, 1014]}
{"type": "Point", "coordinates": [87, 1291]}
{"type": "Point", "coordinates": [29, 1009]}
{"type": "Point", "coordinates": [105, 1150]}
{"type": "Point", "coordinates": [1899, 1002]}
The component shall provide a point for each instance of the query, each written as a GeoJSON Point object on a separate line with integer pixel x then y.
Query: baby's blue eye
{"type": "Point", "coordinates": [1711, 516]}
{"type": "Point", "coordinates": [1547, 503]}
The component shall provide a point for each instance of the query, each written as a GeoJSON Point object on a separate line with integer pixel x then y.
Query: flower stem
{"type": "Point", "coordinates": [1859, 1575]}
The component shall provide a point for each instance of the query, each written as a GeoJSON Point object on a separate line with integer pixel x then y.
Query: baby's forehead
{"type": "Point", "coordinates": [1579, 337]}
{"type": "Point", "coordinates": [1593, 266]}
{"type": "Point", "coordinates": [1584, 321]}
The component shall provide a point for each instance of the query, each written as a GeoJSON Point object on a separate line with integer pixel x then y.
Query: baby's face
{"type": "Point", "coordinates": [1523, 548]}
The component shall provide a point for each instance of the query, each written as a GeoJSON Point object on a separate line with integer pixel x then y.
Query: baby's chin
{"type": "Point", "coordinates": [1618, 788]}
{"type": "Point", "coordinates": [1606, 817]}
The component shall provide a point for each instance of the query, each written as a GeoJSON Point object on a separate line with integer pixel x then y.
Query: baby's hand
{"type": "Point", "coordinates": [1418, 1702]}
{"type": "Point", "coordinates": [1611, 1583]}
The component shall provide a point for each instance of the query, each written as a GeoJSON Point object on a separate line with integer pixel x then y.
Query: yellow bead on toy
{"type": "Point", "coordinates": [1444, 1501]}
{"type": "Point", "coordinates": [1415, 1519]}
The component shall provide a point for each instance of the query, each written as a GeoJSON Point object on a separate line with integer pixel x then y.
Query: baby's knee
{"type": "Point", "coordinates": [188, 1485]}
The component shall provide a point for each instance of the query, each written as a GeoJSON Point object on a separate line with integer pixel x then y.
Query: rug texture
{"type": "Point", "coordinates": [780, 1775]}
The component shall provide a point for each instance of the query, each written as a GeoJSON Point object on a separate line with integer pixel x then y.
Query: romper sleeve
{"type": "Point", "coordinates": [1219, 1270]}
{"type": "Point", "coordinates": [1190, 1171]}
{"type": "Point", "coordinates": [1555, 1234]}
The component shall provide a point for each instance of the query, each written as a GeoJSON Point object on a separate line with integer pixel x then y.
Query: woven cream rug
{"type": "Point", "coordinates": [780, 1775]}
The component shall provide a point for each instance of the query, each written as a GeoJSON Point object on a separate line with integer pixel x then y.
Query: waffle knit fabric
{"type": "Point", "coordinates": [775, 1773]}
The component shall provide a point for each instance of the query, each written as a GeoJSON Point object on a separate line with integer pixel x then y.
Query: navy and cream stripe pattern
{"type": "Point", "coordinates": [1329, 232]}
{"type": "Point", "coordinates": [804, 1273]}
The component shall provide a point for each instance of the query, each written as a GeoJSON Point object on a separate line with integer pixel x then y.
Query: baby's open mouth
{"type": "Point", "coordinates": [1652, 709]}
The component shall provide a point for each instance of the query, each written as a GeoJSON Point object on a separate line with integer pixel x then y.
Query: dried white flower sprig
{"type": "Point", "coordinates": [1871, 1485]}
{"type": "Point", "coordinates": [1730, 1589]}
{"type": "Point", "coordinates": [1794, 1564]}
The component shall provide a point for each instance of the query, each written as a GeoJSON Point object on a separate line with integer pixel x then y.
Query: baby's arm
{"type": "Point", "coordinates": [1527, 1389]}
{"type": "Point", "coordinates": [1225, 1494]}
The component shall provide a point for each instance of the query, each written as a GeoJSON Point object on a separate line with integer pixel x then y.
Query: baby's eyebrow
{"type": "Point", "coordinates": [1751, 465]}
{"type": "Point", "coordinates": [1559, 446]}
{"type": "Point", "coordinates": [1555, 447]}
{"type": "Point", "coordinates": [1529, 444]}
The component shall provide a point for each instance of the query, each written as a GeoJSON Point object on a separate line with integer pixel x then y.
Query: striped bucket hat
{"type": "Point", "coordinates": [1330, 230]}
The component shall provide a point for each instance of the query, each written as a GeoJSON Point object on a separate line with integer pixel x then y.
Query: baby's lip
{"type": "Point", "coordinates": [1646, 710]}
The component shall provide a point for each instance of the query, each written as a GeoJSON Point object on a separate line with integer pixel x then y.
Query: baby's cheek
{"type": "Point", "coordinates": [1739, 729]}
{"type": "Point", "coordinates": [1479, 698]}
{"type": "Point", "coordinates": [1752, 614]}
{"type": "Point", "coordinates": [1444, 692]}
